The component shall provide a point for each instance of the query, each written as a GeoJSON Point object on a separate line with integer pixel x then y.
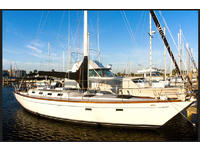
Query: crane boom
{"type": "Point", "coordinates": [160, 30]}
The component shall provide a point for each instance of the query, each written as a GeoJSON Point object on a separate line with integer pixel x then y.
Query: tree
{"type": "Point", "coordinates": [132, 74]}
{"type": "Point", "coordinates": [35, 72]}
{"type": "Point", "coordinates": [174, 71]}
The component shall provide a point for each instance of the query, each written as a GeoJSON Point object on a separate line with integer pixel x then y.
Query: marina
{"type": "Point", "coordinates": [91, 95]}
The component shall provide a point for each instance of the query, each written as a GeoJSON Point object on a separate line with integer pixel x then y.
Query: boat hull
{"type": "Point", "coordinates": [130, 114]}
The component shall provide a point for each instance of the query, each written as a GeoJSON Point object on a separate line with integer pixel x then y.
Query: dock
{"type": "Point", "coordinates": [192, 114]}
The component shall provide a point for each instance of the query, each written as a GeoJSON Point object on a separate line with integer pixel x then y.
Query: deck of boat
{"type": "Point", "coordinates": [78, 96]}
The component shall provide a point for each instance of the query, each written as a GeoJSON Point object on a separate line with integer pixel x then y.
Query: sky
{"type": "Point", "coordinates": [123, 38]}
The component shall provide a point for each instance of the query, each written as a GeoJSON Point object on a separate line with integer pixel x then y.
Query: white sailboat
{"type": "Point", "coordinates": [100, 107]}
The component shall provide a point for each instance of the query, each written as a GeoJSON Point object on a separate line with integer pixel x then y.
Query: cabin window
{"type": "Point", "coordinates": [92, 73]}
{"type": "Point", "coordinates": [49, 94]}
{"type": "Point", "coordinates": [40, 92]}
{"type": "Point", "coordinates": [88, 109]}
{"type": "Point", "coordinates": [60, 94]}
{"type": "Point", "coordinates": [33, 91]}
{"type": "Point", "coordinates": [107, 73]}
{"type": "Point", "coordinates": [101, 73]}
{"type": "Point", "coordinates": [135, 81]}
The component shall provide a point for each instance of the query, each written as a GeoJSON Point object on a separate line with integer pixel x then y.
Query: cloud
{"type": "Point", "coordinates": [36, 55]}
{"type": "Point", "coordinates": [34, 48]}
{"type": "Point", "coordinates": [37, 43]}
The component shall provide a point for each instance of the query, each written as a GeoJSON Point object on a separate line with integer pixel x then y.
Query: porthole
{"type": "Point", "coordinates": [119, 109]}
{"type": "Point", "coordinates": [60, 94]}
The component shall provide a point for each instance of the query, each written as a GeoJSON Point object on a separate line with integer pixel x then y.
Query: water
{"type": "Point", "coordinates": [20, 125]}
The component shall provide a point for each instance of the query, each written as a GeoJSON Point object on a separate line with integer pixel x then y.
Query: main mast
{"type": "Point", "coordinates": [85, 35]}
{"type": "Point", "coordinates": [83, 70]}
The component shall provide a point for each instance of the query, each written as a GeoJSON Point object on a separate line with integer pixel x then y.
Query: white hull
{"type": "Point", "coordinates": [136, 114]}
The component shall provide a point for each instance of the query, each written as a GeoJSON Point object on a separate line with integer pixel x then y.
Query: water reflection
{"type": "Point", "coordinates": [20, 125]}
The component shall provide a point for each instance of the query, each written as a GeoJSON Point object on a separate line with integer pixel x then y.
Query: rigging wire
{"type": "Point", "coordinates": [139, 22]}
{"type": "Point", "coordinates": [79, 49]}
{"type": "Point", "coordinates": [45, 20]}
{"type": "Point", "coordinates": [59, 38]}
{"type": "Point", "coordinates": [168, 29]}
{"type": "Point", "coordinates": [143, 26]}
{"type": "Point", "coordinates": [127, 24]}
{"type": "Point", "coordinates": [37, 32]}
{"type": "Point", "coordinates": [75, 52]}
{"type": "Point", "coordinates": [68, 42]}
{"type": "Point", "coordinates": [59, 28]}
{"type": "Point", "coordinates": [170, 33]}
{"type": "Point", "coordinates": [99, 59]}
